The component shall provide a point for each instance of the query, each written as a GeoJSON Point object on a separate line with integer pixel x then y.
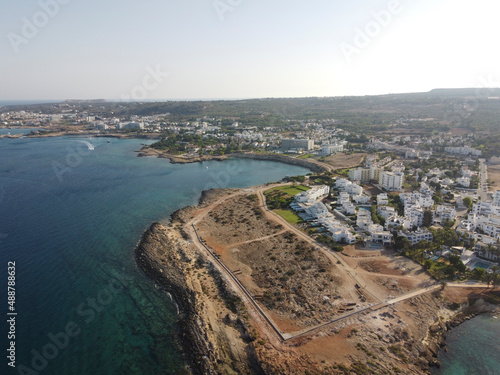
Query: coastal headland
{"type": "Point", "coordinates": [257, 295]}
{"type": "Point", "coordinates": [312, 164]}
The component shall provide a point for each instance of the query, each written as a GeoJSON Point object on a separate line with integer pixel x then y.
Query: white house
{"type": "Point", "coordinates": [354, 189]}
{"type": "Point", "coordinates": [443, 213]}
{"type": "Point", "coordinates": [396, 221]}
{"type": "Point", "coordinates": [343, 197]}
{"type": "Point", "coordinates": [416, 236]}
{"type": "Point", "coordinates": [313, 194]}
{"type": "Point", "coordinates": [343, 235]}
{"type": "Point", "coordinates": [348, 208]}
{"type": "Point", "coordinates": [361, 199]}
{"type": "Point", "coordinates": [386, 211]}
{"type": "Point", "coordinates": [382, 199]}
{"type": "Point", "coordinates": [496, 198]}
{"type": "Point", "coordinates": [463, 181]}
{"type": "Point", "coordinates": [381, 237]}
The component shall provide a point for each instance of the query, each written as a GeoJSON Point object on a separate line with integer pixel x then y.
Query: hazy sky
{"type": "Point", "coordinates": [172, 49]}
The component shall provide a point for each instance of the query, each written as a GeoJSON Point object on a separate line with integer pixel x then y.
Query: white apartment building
{"type": "Point", "coordinates": [328, 149]}
{"type": "Point", "coordinates": [297, 144]}
{"type": "Point", "coordinates": [392, 181]}
{"type": "Point", "coordinates": [416, 236]}
{"type": "Point", "coordinates": [359, 174]}
{"type": "Point", "coordinates": [365, 174]}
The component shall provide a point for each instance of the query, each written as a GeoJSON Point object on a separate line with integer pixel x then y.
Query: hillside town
{"type": "Point", "coordinates": [406, 187]}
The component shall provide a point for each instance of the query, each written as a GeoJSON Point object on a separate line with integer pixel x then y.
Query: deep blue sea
{"type": "Point", "coordinates": [70, 218]}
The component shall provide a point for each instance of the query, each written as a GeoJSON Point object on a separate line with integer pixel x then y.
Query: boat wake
{"type": "Point", "coordinates": [89, 145]}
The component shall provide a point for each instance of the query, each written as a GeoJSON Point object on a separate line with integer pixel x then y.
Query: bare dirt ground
{"type": "Point", "coordinates": [389, 274]}
{"type": "Point", "coordinates": [494, 175]}
{"type": "Point", "coordinates": [293, 280]}
{"type": "Point", "coordinates": [341, 161]}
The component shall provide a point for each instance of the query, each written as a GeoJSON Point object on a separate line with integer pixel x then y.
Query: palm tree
{"type": "Point", "coordinates": [496, 276]}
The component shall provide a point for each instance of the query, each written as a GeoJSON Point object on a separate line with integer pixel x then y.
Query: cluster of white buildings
{"type": "Point", "coordinates": [310, 207]}
{"type": "Point", "coordinates": [348, 190]}
{"type": "Point", "coordinates": [483, 222]}
{"type": "Point", "coordinates": [464, 150]}
{"type": "Point", "coordinates": [377, 233]}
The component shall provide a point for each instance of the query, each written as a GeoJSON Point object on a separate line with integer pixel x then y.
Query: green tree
{"type": "Point", "coordinates": [479, 274]}
{"type": "Point", "coordinates": [427, 221]}
{"type": "Point", "coordinates": [467, 202]}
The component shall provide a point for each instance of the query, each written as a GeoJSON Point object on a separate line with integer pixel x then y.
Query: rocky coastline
{"type": "Point", "coordinates": [182, 159]}
{"type": "Point", "coordinates": [169, 275]}
{"type": "Point", "coordinates": [219, 341]}
{"type": "Point", "coordinates": [436, 337]}
{"type": "Point", "coordinates": [214, 340]}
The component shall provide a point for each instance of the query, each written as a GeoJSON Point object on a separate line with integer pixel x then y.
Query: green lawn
{"type": "Point", "coordinates": [289, 216]}
{"type": "Point", "coordinates": [290, 189]}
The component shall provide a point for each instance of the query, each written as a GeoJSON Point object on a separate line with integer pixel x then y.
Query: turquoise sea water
{"type": "Point", "coordinates": [473, 348]}
{"type": "Point", "coordinates": [70, 218]}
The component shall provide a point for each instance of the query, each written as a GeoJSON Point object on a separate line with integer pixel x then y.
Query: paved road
{"type": "Point", "coordinates": [482, 190]}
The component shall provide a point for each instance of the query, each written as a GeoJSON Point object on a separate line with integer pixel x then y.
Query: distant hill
{"type": "Point", "coordinates": [468, 92]}
{"type": "Point", "coordinates": [442, 109]}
